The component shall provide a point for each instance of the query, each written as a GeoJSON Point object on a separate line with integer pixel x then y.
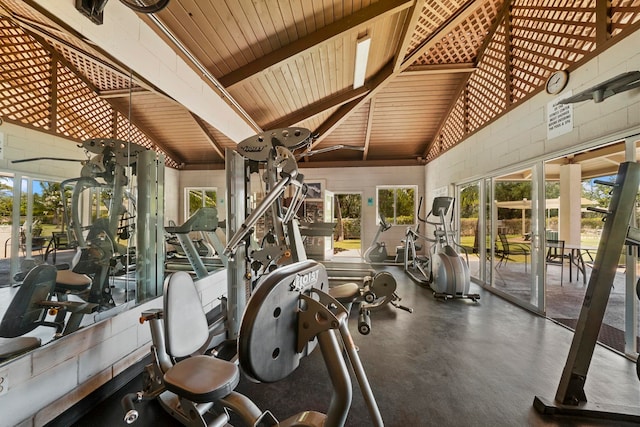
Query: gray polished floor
{"type": "Point", "coordinates": [452, 363]}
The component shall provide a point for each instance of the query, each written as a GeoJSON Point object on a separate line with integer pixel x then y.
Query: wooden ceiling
{"type": "Point", "coordinates": [437, 71]}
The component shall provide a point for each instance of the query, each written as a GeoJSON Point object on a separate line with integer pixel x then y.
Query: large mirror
{"type": "Point", "coordinates": [70, 249]}
{"type": "Point", "coordinates": [77, 167]}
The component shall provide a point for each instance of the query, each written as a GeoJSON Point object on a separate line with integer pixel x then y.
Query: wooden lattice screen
{"type": "Point", "coordinates": [70, 107]}
{"type": "Point", "coordinates": [433, 16]}
{"type": "Point", "coordinates": [25, 82]}
{"type": "Point", "coordinates": [532, 39]}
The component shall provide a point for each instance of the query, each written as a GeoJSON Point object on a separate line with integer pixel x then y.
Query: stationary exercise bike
{"type": "Point", "coordinates": [287, 316]}
{"type": "Point", "coordinates": [377, 252]}
{"type": "Point", "coordinates": [443, 269]}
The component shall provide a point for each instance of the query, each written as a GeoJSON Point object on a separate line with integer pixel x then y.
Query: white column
{"type": "Point", "coordinates": [570, 198]}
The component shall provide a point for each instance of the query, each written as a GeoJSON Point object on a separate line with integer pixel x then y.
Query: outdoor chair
{"type": "Point", "coordinates": [59, 241]}
{"type": "Point", "coordinates": [508, 249]}
{"type": "Point", "coordinates": [556, 255]}
{"type": "Point", "coordinates": [37, 242]}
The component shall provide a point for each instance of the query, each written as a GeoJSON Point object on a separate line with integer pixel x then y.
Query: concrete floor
{"type": "Point", "coordinates": [452, 363]}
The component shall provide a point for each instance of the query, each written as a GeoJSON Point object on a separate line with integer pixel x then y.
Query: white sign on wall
{"type": "Point", "coordinates": [559, 117]}
{"type": "Point", "coordinates": [442, 191]}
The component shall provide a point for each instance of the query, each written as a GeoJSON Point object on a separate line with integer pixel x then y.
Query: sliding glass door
{"type": "Point", "coordinates": [539, 237]}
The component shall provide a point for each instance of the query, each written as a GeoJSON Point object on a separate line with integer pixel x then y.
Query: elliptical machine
{"type": "Point", "coordinates": [443, 269]}
{"type": "Point", "coordinates": [377, 252]}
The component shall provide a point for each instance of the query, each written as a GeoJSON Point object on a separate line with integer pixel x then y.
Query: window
{"type": "Point", "coordinates": [397, 204]}
{"type": "Point", "coordinates": [199, 198]}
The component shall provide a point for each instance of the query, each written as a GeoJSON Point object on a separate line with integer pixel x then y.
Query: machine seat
{"type": "Point", "coordinates": [196, 378]}
{"type": "Point", "coordinates": [68, 281]}
{"type": "Point", "coordinates": [202, 378]}
{"type": "Point", "coordinates": [346, 292]}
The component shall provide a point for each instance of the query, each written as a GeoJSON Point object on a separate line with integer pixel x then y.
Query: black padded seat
{"type": "Point", "coordinates": [202, 378]}
{"type": "Point", "coordinates": [10, 347]}
{"type": "Point", "coordinates": [68, 281]}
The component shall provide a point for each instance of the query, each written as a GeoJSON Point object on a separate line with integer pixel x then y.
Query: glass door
{"type": "Point", "coordinates": [513, 254]}
{"type": "Point", "coordinates": [469, 225]}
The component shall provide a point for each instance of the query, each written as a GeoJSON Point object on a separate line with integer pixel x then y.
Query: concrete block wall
{"type": "Point", "coordinates": [521, 135]}
{"type": "Point", "coordinates": [22, 143]}
{"type": "Point", "coordinates": [49, 380]}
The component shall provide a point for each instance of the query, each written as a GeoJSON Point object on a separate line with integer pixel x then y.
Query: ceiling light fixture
{"type": "Point", "coordinates": [362, 56]}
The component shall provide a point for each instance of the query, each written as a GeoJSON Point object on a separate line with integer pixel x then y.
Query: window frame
{"type": "Point", "coordinates": [202, 191]}
{"type": "Point", "coordinates": [393, 221]}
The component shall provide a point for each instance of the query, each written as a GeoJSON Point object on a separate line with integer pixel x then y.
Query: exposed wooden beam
{"type": "Point", "coordinates": [367, 136]}
{"type": "Point", "coordinates": [361, 17]}
{"type": "Point", "coordinates": [363, 163]}
{"type": "Point", "coordinates": [114, 124]}
{"type": "Point", "coordinates": [210, 137]}
{"type": "Point", "coordinates": [319, 164]}
{"type": "Point", "coordinates": [384, 76]}
{"type": "Point", "coordinates": [456, 19]}
{"type": "Point", "coordinates": [508, 58]}
{"type": "Point", "coordinates": [123, 93]}
{"type": "Point", "coordinates": [506, 7]}
{"type": "Point", "coordinates": [464, 67]}
{"type": "Point", "coordinates": [603, 21]}
{"type": "Point", "coordinates": [316, 108]}
{"type": "Point", "coordinates": [203, 166]}
{"type": "Point", "coordinates": [381, 79]}
{"type": "Point", "coordinates": [53, 88]}
{"type": "Point", "coordinates": [407, 33]}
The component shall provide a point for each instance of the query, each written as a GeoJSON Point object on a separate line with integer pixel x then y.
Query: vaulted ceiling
{"type": "Point", "coordinates": [437, 71]}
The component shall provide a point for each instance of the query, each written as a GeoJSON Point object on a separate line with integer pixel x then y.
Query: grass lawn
{"type": "Point", "coordinates": [347, 244]}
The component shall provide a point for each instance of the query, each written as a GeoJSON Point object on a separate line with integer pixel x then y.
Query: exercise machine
{"type": "Point", "coordinates": [42, 294]}
{"type": "Point", "coordinates": [570, 398]}
{"type": "Point", "coordinates": [205, 222]}
{"type": "Point", "coordinates": [376, 292]}
{"type": "Point", "coordinates": [281, 240]}
{"type": "Point", "coordinates": [275, 335]}
{"type": "Point", "coordinates": [443, 269]}
{"type": "Point", "coordinates": [377, 251]}
{"type": "Point", "coordinates": [103, 178]}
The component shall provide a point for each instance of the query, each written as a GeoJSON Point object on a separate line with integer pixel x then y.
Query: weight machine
{"type": "Point", "coordinates": [95, 232]}
{"type": "Point", "coordinates": [103, 178]}
{"type": "Point", "coordinates": [275, 335]}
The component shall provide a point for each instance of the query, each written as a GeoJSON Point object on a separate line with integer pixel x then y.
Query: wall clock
{"type": "Point", "coordinates": [557, 81]}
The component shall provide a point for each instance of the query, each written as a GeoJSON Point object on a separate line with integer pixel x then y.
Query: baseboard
{"type": "Point", "coordinates": [83, 407]}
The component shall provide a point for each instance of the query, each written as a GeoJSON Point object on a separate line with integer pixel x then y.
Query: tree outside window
{"type": "Point", "coordinates": [397, 204]}
{"type": "Point", "coordinates": [200, 198]}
